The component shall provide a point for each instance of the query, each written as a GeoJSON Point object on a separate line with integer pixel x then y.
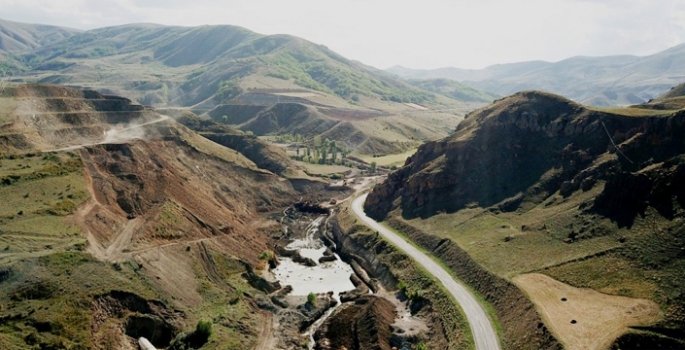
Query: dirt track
{"type": "Point", "coordinates": [599, 318]}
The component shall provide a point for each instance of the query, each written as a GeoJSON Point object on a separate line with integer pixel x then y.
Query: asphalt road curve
{"type": "Point", "coordinates": [483, 332]}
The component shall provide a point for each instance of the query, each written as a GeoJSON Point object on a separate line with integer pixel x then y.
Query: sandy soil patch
{"type": "Point", "coordinates": [584, 319]}
{"type": "Point", "coordinates": [414, 105]}
{"type": "Point", "coordinates": [297, 94]}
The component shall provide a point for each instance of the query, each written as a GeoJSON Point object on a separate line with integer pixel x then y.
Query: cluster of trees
{"type": "Point", "coordinates": [321, 152]}
{"type": "Point", "coordinates": [286, 138]}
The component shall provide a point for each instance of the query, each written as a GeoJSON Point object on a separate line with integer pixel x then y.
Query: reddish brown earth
{"type": "Point", "coordinates": [187, 214]}
{"type": "Point", "coordinates": [364, 325]}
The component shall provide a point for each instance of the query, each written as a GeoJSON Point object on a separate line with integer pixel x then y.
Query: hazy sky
{"type": "Point", "coordinates": [416, 34]}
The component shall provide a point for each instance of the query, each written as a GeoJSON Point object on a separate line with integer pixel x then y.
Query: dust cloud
{"type": "Point", "coordinates": [118, 134]}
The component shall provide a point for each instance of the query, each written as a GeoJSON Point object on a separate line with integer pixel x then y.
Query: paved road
{"type": "Point", "coordinates": [484, 334]}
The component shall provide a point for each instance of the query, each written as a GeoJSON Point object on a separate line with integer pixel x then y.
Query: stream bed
{"type": "Point", "coordinates": [325, 277]}
{"type": "Point", "coordinates": [333, 276]}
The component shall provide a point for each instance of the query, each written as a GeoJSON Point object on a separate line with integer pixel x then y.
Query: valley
{"type": "Point", "coordinates": [210, 187]}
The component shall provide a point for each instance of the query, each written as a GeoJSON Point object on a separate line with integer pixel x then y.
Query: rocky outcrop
{"type": "Point", "coordinates": [530, 143]}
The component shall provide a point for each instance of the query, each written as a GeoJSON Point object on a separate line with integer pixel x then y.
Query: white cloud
{"type": "Point", "coordinates": [428, 33]}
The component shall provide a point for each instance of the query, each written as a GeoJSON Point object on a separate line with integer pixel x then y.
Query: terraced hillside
{"type": "Point", "coordinates": [550, 195]}
{"type": "Point", "coordinates": [118, 222]}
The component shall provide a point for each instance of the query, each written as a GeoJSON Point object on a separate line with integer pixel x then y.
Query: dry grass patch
{"type": "Point", "coordinates": [393, 159]}
{"type": "Point", "coordinates": [584, 319]}
{"type": "Point", "coordinates": [633, 112]}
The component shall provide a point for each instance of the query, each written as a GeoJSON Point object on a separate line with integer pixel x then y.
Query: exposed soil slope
{"type": "Point", "coordinates": [165, 214]}
{"type": "Point", "coordinates": [530, 143]}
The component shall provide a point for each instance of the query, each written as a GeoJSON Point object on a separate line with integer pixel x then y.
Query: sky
{"type": "Point", "coordinates": [417, 34]}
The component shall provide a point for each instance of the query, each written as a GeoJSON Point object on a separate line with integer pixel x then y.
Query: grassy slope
{"type": "Point", "coordinates": [21, 37]}
{"type": "Point", "coordinates": [453, 89]}
{"type": "Point", "coordinates": [38, 191]}
{"type": "Point", "coordinates": [183, 59]}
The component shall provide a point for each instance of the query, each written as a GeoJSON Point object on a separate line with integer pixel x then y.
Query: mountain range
{"type": "Point", "coordinates": [237, 76]}
{"type": "Point", "coordinates": [599, 81]}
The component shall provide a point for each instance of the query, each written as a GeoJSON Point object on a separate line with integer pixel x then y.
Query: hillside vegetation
{"type": "Point", "coordinates": [535, 172]}
{"type": "Point", "coordinates": [186, 66]}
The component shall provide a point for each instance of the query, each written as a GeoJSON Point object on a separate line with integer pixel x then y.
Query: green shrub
{"type": "Point", "coordinates": [266, 255]}
{"type": "Point", "coordinates": [311, 299]}
{"type": "Point", "coordinates": [402, 286]}
{"type": "Point", "coordinates": [203, 330]}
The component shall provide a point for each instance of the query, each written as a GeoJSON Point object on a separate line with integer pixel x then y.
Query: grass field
{"type": "Point", "coordinates": [484, 236]}
{"type": "Point", "coordinates": [633, 112]}
{"type": "Point", "coordinates": [393, 159]}
{"type": "Point", "coordinates": [56, 290]}
{"type": "Point", "coordinates": [319, 169]}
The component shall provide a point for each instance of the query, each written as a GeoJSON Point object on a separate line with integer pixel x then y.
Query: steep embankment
{"type": "Point", "coordinates": [505, 149]}
{"type": "Point", "coordinates": [264, 155]}
{"type": "Point", "coordinates": [142, 236]}
{"type": "Point", "coordinates": [537, 172]}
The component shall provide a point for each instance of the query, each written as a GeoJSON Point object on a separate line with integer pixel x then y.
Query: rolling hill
{"type": "Point", "coordinates": [599, 81]}
{"type": "Point", "coordinates": [22, 37]}
{"type": "Point", "coordinates": [453, 89]}
{"type": "Point", "coordinates": [231, 71]}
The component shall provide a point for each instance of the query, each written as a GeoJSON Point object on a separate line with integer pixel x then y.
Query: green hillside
{"type": "Point", "coordinates": [453, 89]}
{"type": "Point", "coordinates": [187, 66]}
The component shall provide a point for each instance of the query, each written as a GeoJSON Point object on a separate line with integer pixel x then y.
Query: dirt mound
{"type": "Point", "coordinates": [359, 326]}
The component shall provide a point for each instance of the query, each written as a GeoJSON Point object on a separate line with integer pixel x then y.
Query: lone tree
{"type": "Point", "coordinates": [373, 166]}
